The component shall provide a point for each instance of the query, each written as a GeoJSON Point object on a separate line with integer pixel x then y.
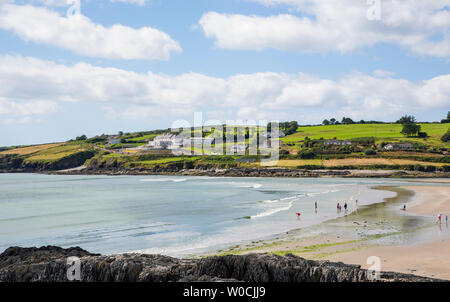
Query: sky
{"type": "Point", "coordinates": [73, 67]}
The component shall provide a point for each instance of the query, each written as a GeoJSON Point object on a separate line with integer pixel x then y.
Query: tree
{"type": "Point", "coordinates": [347, 120]}
{"type": "Point", "coordinates": [326, 122]}
{"type": "Point", "coordinates": [289, 127]}
{"type": "Point", "coordinates": [370, 152]}
{"type": "Point", "coordinates": [333, 121]}
{"type": "Point", "coordinates": [120, 134]}
{"type": "Point", "coordinates": [81, 138]}
{"type": "Point", "coordinates": [406, 119]}
{"type": "Point", "coordinates": [410, 129]}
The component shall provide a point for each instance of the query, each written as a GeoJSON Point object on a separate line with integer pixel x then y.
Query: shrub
{"type": "Point", "coordinates": [370, 152]}
{"type": "Point", "coordinates": [307, 155]}
{"type": "Point", "coordinates": [446, 137]}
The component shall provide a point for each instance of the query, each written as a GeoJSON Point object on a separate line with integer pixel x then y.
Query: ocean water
{"type": "Point", "coordinates": [174, 215]}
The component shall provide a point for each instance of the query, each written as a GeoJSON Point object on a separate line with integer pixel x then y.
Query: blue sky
{"type": "Point", "coordinates": [230, 59]}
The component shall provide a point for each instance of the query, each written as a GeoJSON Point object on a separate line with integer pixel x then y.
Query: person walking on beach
{"type": "Point", "coordinates": [439, 218]}
{"type": "Point", "coordinates": [315, 205]}
{"type": "Point", "coordinates": [338, 207]}
{"type": "Point", "coordinates": [345, 207]}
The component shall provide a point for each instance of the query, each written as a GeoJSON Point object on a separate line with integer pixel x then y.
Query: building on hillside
{"type": "Point", "coordinates": [399, 146]}
{"type": "Point", "coordinates": [335, 142]}
{"type": "Point", "coordinates": [172, 141]}
{"type": "Point", "coordinates": [276, 134]}
{"type": "Point", "coordinates": [240, 149]}
{"type": "Point", "coordinates": [166, 141]}
{"type": "Point", "coordinates": [198, 141]}
{"type": "Point", "coordinates": [113, 141]}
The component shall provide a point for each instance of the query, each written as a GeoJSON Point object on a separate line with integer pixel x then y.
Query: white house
{"type": "Point", "coordinates": [239, 148]}
{"type": "Point", "coordinates": [113, 141]}
{"type": "Point", "coordinates": [335, 142]}
{"type": "Point", "coordinates": [275, 134]}
{"type": "Point", "coordinates": [198, 141]}
{"type": "Point", "coordinates": [166, 141]}
{"type": "Point", "coordinates": [404, 146]}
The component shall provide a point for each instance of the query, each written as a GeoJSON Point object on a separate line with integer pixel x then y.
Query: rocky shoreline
{"type": "Point", "coordinates": [49, 264]}
{"type": "Point", "coordinates": [254, 172]}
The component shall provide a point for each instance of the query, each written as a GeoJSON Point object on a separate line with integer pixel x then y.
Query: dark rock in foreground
{"type": "Point", "coordinates": [49, 264]}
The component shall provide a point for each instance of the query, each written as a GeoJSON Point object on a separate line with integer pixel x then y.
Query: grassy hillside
{"type": "Point", "coordinates": [57, 152]}
{"type": "Point", "coordinates": [30, 149]}
{"type": "Point", "coordinates": [381, 132]}
{"type": "Point", "coordinates": [429, 153]}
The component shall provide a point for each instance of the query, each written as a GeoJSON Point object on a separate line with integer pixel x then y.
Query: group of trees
{"type": "Point", "coordinates": [81, 138]}
{"type": "Point", "coordinates": [447, 120]}
{"type": "Point", "coordinates": [287, 127]}
{"type": "Point", "coordinates": [410, 128]}
{"type": "Point", "coordinates": [344, 121]}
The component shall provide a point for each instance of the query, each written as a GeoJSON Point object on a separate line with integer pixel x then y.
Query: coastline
{"type": "Point", "coordinates": [276, 172]}
{"type": "Point", "coordinates": [424, 256]}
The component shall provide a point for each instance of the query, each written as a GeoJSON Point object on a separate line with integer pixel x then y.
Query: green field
{"type": "Point", "coordinates": [381, 132]}
{"type": "Point", "coordinates": [430, 151]}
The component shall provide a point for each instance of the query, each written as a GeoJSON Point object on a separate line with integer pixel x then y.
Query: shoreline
{"type": "Point", "coordinates": [428, 257]}
{"type": "Point", "coordinates": [276, 172]}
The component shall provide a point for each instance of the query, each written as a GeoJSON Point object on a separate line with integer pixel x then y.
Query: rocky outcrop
{"type": "Point", "coordinates": [49, 264]}
{"type": "Point", "coordinates": [16, 163]}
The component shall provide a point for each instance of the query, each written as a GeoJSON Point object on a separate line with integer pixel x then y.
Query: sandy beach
{"type": "Point", "coordinates": [427, 257]}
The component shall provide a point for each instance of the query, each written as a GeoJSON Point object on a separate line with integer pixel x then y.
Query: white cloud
{"type": "Point", "coordinates": [65, 2]}
{"type": "Point", "coordinates": [80, 35]}
{"type": "Point", "coordinates": [138, 2]}
{"type": "Point", "coordinates": [421, 27]}
{"type": "Point", "coordinates": [383, 73]}
{"type": "Point", "coordinates": [242, 96]}
{"type": "Point", "coordinates": [13, 112]}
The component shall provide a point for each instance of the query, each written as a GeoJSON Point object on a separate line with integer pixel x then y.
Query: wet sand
{"type": "Point", "coordinates": [426, 256]}
{"type": "Point", "coordinates": [431, 259]}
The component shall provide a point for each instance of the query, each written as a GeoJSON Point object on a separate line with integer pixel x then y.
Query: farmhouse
{"type": "Point", "coordinates": [198, 141]}
{"type": "Point", "coordinates": [335, 142]}
{"type": "Point", "coordinates": [113, 141]}
{"type": "Point", "coordinates": [239, 148]}
{"type": "Point", "coordinates": [275, 134]}
{"type": "Point", "coordinates": [166, 141]}
{"type": "Point", "coordinates": [403, 146]}
{"type": "Point", "coordinates": [172, 141]}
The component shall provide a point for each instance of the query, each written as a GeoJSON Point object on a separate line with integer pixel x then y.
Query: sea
{"type": "Point", "coordinates": [171, 215]}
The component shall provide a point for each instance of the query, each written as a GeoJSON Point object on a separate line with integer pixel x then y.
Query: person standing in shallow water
{"type": "Point", "coordinates": [345, 207]}
{"type": "Point", "coordinates": [315, 206]}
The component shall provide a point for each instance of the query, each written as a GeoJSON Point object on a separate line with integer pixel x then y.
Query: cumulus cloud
{"type": "Point", "coordinates": [80, 35]}
{"type": "Point", "coordinates": [17, 112]}
{"type": "Point", "coordinates": [421, 27]}
{"type": "Point", "coordinates": [66, 3]}
{"type": "Point", "coordinates": [270, 95]}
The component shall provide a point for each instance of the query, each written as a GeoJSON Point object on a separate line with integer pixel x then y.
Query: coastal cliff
{"type": "Point", "coordinates": [49, 264]}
